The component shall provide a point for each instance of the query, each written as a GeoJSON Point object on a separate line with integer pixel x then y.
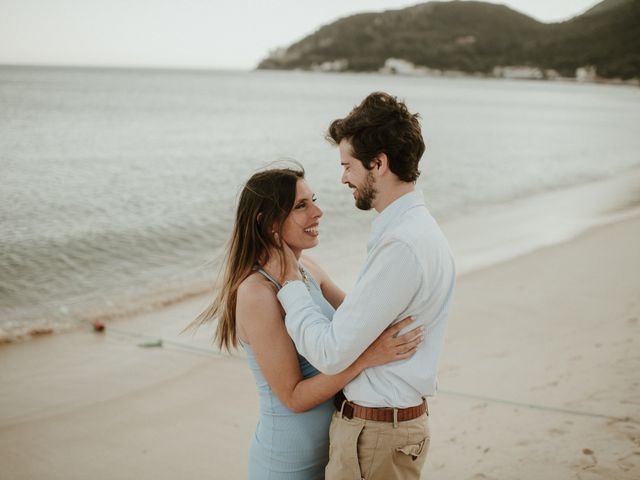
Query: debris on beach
{"type": "Point", "coordinates": [151, 343]}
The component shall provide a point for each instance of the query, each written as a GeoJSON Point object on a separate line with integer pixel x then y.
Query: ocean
{"type": "Point", "coordinates": [119, 186]}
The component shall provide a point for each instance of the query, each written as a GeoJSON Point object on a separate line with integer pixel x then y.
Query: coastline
{"type": "Point", "coordinates": [455, 74]}
{"type": "Point", "coordinates": [480, 238]}
{"type": "Point", "coordinates": [538, 379]}
{"type": "Point", "coordinates": [447, 74]}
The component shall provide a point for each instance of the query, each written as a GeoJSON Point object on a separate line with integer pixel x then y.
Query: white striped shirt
{"type": "Point", "coordinates": [409, 271]}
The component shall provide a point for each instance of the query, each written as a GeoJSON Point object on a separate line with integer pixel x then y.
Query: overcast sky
{"type": "Point", "coordinates": [233, 34]}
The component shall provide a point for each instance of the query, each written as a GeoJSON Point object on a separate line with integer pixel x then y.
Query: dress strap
{"type": "Point", "coordinates": [269, 277]}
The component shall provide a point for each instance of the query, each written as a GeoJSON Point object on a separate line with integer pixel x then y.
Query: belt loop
{"type": "Point", "coordinates": [395, 418]}
{"type": "Point", "coordinates": [344, 402]}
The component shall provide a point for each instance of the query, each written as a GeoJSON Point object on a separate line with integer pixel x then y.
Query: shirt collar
{"type": "Point", "coordinates": [396, 208]}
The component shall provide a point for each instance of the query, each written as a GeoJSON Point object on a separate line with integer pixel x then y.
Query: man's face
{"type": "Point", "coordinates": [357, 177]}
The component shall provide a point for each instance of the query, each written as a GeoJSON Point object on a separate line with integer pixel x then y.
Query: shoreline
{"type": "Point", "coordinates": [449, 75]}
{"type": "Point", "coordinates": [455, 74]}
{"type": "Point", "coordinates": [486, 237]}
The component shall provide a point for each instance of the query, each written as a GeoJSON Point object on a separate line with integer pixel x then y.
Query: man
{"type": "Point", "coordinates": [380, 429]}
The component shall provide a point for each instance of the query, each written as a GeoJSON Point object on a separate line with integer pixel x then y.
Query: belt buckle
{"type": "Point", "coordinates": [344, 407]}
{"type": "Point", "coordinates": [347, 410]}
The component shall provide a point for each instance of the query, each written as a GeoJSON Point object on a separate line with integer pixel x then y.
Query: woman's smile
{"type": "Point", "coordinates": [313, 230]}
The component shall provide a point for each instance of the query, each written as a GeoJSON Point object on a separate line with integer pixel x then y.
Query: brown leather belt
{"type": "Point", "coordinates": [350, 410]}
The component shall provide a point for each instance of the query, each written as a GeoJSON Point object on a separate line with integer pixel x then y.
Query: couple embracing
{"type": "Point", "coordinates": [343, 379]}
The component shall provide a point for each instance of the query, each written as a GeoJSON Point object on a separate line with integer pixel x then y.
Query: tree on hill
{"type": "Point", "coordinates": [475, 37]}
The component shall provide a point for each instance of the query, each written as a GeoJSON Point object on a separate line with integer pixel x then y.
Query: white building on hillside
{"type": "Point", "coordinates": [518, 72]}
{"type": "Point", "coordinates": [586, 73]}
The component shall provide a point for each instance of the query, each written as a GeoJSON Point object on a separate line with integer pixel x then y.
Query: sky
{"type": "Point", "coordinates": [210, 34]}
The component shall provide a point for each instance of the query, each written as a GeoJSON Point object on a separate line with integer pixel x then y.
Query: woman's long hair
{"type": "Point", "coordinates": [265, 202]}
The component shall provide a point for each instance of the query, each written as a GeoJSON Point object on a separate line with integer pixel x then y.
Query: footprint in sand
{"type": "Point", "coordinates": [628, 462]}
{"type": "Point", "coordinates": [633, 400]}
{"type": "Point", "coordinates": [591, 459]}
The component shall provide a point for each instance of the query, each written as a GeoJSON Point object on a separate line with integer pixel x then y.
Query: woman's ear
{"type": "Point", "coordinates": [258, 217]}
{"type": "Point", "coordinates": [275, 228]}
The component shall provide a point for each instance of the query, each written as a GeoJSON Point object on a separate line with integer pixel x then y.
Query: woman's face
{"type": "Point", "coordinates": [300, 228]}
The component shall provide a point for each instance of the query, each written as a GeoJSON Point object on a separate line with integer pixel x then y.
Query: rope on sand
{"type": "Point", "coordinates": [531, 405]}
{"type": "Point", "coordinates": [157, 341]}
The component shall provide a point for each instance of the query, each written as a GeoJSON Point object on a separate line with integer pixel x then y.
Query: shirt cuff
{"type": "Point", "coordinates": [293, 293]}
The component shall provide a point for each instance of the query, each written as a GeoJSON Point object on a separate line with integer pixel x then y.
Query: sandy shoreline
{"type": "Point", "coordinates": [484, 236]}
{"type": "Point", "coordinates": [539, 379]}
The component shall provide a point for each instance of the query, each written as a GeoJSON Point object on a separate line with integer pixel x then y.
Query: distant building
{"type": "Point", "coordinates": [551, 74]}
{"type": "Point", "coordinates": [399, 66]}
{"type": "Point", "coordinates": [331, 66]}
{"type": "Point", "coordinates": [586, 73]}
{"type": "Point", "coordinates": [518, 72]}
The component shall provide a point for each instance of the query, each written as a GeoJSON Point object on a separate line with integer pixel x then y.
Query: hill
{"type": "Point", "coordinates": [473, 37]}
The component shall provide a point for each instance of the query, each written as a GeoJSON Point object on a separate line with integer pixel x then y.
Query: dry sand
{"type": "Point", "coordinates": [539, 379]}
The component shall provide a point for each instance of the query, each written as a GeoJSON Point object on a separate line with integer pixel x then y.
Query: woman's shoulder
{"type": "Point", "coordinates": [257, 307]}
{"type": "Point", "coordinates": [256, 288]}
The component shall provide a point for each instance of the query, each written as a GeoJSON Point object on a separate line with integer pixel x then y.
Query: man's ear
{"type": "Point", "coordinates": [380, 163]}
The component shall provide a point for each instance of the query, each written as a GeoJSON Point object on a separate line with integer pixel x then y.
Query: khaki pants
{"type": "Point", "coordinates": [364, 449]}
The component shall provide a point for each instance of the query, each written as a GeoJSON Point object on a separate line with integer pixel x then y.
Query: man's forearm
{"type": "Point", "coordinates": [312, 332]}
{"type": "Point", "coordinates": [373, 304]}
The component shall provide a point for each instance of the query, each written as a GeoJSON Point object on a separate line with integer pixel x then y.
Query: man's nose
{"type": "Point", "coordinates": [344, 178]}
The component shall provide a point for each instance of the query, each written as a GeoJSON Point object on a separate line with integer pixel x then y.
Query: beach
{"type": "Point", "coordinates": [538, 379]}
{"type": "Point", "coordinates": [119, 200]}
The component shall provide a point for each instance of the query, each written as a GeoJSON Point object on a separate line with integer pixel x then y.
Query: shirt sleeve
{"type": "Point", "coordinates": [389, 281]}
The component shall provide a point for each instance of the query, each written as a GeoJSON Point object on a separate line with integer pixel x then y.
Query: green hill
{"type": "Point", "coordinates": [474, 37]}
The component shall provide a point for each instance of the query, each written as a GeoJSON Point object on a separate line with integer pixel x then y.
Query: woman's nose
{"type": "Point", "coordinates": [318, 212]}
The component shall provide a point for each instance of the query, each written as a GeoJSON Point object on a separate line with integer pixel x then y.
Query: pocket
{"type": "Point", "coordinates": [409, 459]}
{"type": "Point", "coordinates": [343, 449]}
{"type": "Point", "coordinates": [368, 449]}
{"type": "Point", "coordinates": [414, 450]}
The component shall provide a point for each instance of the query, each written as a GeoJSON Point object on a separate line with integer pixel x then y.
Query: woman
{"type": "Point", "coordinates": [292, 436]}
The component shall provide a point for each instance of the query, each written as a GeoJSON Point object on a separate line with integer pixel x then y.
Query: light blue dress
{"type": "Point", "coordinates": [288, 445]}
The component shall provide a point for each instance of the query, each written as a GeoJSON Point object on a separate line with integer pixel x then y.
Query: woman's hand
{"type": "Point", "coordinates": [389, 347]}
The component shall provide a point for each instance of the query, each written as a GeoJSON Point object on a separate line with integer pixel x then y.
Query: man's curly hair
{"type": "Point", "coordinates": [382, 124]}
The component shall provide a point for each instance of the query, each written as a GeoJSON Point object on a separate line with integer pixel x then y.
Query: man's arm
{"type": "Point", "coordinates": [389, 282]}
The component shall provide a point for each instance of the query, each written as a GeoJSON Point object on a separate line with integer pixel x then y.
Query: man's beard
{"type": "Point", "coordinates": [366, 193]}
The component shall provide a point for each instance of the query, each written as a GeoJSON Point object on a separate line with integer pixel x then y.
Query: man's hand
{"type": "Point", "coordinates": [390, 346]}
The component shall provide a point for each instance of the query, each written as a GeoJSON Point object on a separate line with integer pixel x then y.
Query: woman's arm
{"type": "Point", "coordinates": [260, 315]}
